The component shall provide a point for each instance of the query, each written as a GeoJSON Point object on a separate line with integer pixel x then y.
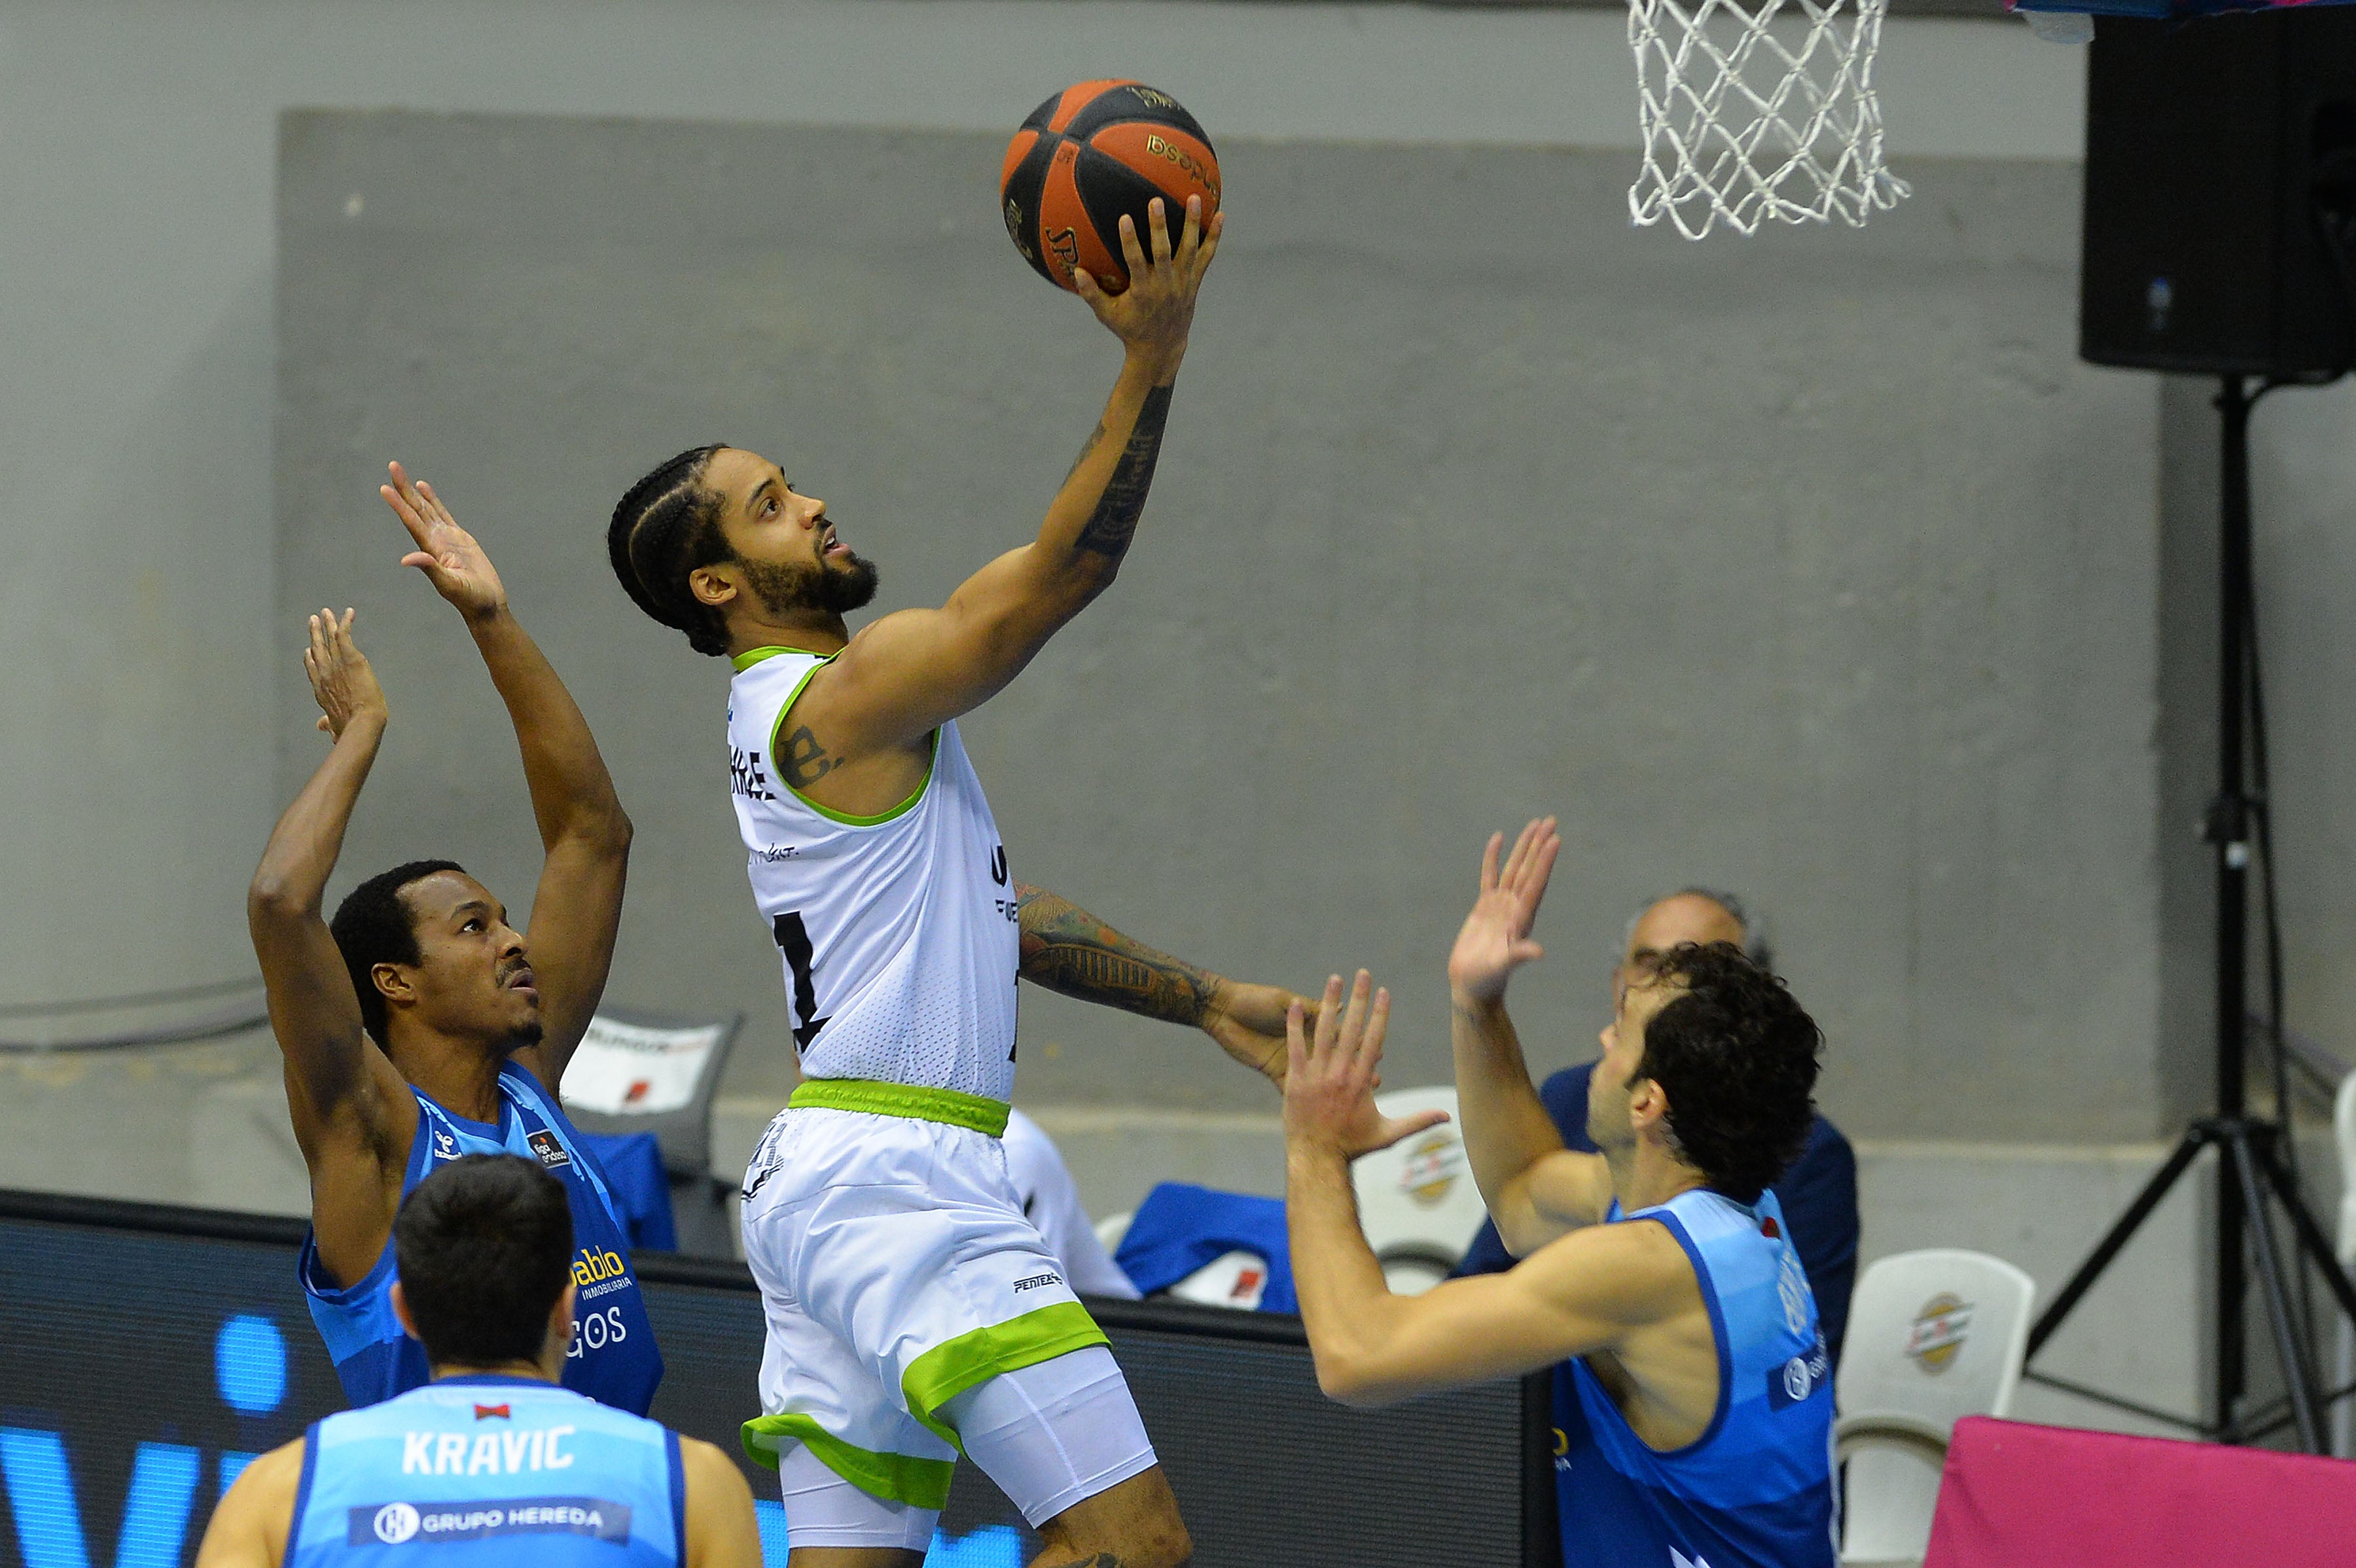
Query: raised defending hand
{"type": "Point", "coordinates": [1495, 938]}
{"type": "Point", "coordinates": [1249, 1023]}
{"type": "Point", "coordinates": [340, 677]}
{"type": "Point", "coordinates": [1329, 1084]}
{"type": "Point", "coordinates": [446, 552]}
{"type": "Point", "coordinates": [1153, 315]}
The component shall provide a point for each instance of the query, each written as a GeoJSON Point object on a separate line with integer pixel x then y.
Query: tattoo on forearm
{"type": "Point", "coordinates": [1094, 440]}
{"type": "Point", "coordinates": [1069, 950]}
{"type": "Point", "coordinates": [1113, 523]}
{"type": "Point", "coordinates": [805, 762]}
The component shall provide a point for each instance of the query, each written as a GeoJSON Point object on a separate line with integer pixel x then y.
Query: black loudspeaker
{"type": "Point", "coordinates": [2220, 193]}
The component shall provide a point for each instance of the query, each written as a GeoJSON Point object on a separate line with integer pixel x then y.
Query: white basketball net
{"type": "Point", "coordinates": [1757, 111]}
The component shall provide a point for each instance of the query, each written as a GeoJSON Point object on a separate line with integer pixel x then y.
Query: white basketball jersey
{"type": "Point", "coordinates": [897, 932]}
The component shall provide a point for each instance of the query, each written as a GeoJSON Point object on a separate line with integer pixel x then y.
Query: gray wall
{"type": "Point", "coordinates": [138, 243]}
{"type": "Point", "coordinates": [136, 784]}
{"type": "Point", "coordinates": [1815, 566]}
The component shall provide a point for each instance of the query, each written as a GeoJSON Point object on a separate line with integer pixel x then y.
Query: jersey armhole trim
{"type": "Point", "coordinates": [1662, 1216]}
{"type": "Point", "coordinates": [848, 818]}
{"type": "Point", "coordinates": [303, 1492]}
{"type": "Point", "coordinates": [677, 1495]}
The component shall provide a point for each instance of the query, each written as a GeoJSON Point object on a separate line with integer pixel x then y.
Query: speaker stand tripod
{"type": "Point", "coordinates": [2251, 1174]}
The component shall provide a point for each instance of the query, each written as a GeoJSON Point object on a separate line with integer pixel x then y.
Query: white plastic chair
{"type": "Point", "coordinates": [1113, 1228]}
{"type": "Point", "coordinates": [2343, 1124]}
{"type": "Point", "coordinates": [1417, 1199]}
{"type": "Point", "coordinates": [1237, 1280]}
{"type": "Point", "coordinates": [1932, 1336]}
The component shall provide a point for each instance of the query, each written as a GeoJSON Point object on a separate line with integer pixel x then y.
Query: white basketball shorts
{"type": "Point", "coordinates": [897, 1272]}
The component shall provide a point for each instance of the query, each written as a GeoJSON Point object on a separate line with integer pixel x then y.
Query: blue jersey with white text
{"type": "Point", "coordinates": [611, 1358]}
{"type": "Point", "coordinates": [489, 1470]}
{"type": "Point", "coordinates": [1754, 1490]}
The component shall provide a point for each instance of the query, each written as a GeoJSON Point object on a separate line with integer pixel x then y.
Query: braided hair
{"type": "Point", "coordinates": [664, 527]}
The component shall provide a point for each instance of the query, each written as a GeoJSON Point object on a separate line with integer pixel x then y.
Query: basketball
{"type": "Point", "coordinates": [1090, 154]}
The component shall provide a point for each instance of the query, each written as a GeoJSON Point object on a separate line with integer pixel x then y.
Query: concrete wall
{"type": "Point", "coordinates": [135, 431]}
{"type": "Point", "coordinates": [1478, 504]}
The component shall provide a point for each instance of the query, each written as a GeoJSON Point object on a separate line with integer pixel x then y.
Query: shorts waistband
{"type": "Point", "coordinates": [946, 1105]}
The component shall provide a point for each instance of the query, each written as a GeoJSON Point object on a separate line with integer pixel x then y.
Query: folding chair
{"type": "Point", "coordinates": [1933, 1337]}
{"type": "Point", "coordinates": [1417, 1199]}
{"type": "Point", "coordinates": [640, 1073]}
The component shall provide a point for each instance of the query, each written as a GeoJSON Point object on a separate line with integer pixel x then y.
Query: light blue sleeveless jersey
{"type": "Point", "coordinates": [612, 1357]}
{"type": "Point", "coordinates": [489, 1470]}
{"type": "Point", "coordinates": [1755, 1489]}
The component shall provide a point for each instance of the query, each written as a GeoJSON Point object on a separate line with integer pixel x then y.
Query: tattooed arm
{"type": "Point", "coordinates": [1069, 950]}
{"type": "Point", "coordinates": [908, 673]}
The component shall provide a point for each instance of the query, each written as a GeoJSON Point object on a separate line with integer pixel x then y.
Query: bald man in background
{"type": "Point", "coordinates": [1818, 1193]}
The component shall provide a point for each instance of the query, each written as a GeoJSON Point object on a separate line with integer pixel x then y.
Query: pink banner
{"type": "Point", "coordinates": [2015, 1495]}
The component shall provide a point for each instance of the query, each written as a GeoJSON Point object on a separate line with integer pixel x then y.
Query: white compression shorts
{"type": "Point", "coordinates": [1050, 1435]}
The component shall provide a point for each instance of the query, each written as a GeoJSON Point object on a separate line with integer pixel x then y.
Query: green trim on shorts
{"type": "Point", "coordinates": [903, 1099]}
{"type": "Point", "coordinates": [894, 1477]}
{"type": "Point", "coordinates": [948, 1369]}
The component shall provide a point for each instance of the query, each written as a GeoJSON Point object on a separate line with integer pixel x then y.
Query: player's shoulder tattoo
{"type": "Point", "coordinates": [803, 761]}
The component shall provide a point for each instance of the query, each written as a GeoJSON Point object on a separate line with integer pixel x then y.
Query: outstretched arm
{"type": "Point", "coordinates": [353, 1116]}
{"type": "Point", "coordinates": [1070, 951]}
{"type": "Point", "coordinates": [908, 673]}
{"type": "Point", "coordinates": [1535, 1190]}
{"type": "Point", "coordinates": [577, 909]}
{"type": "Point", "coordinates": [1372, 1346]}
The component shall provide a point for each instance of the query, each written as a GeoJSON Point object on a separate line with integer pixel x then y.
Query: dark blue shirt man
{"type": "Point", "coordinates": [1819, 1192]}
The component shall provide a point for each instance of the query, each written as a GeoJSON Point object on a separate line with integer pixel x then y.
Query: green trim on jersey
{"type": "Point", "coordinates": [847, 819]}
{"type": "Point", "coordinates": [751, 656]}
{"type": "Point", "coordinates": [949, 1105]}
{"type": "Point", "coordinates": [894, 1477]}
{"type": "Point", "coordinates": [947, 1370]}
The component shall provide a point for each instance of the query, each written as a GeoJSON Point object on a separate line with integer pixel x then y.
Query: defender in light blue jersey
{"type": "Point", "coordinates": [423, 1026]}
{"type": "Point", "coordinates": [1693, 1397]}
{"type": "Point", "coordinates": [491, 1462]}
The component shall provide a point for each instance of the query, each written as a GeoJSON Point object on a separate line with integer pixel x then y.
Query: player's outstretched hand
{"type": "Point", "coordinates": [1330, 1078]}
{"type": "Point", "coordinates": [340, 677]}
{"type": "Point", "coordinates": [1249, 1023]}
{"type": "Point", "coordinates": [1495, 938]}
{"type": "Point", "coordinates": [1153, 313]}
{"type": "Point", "coordinates": [446, 552]}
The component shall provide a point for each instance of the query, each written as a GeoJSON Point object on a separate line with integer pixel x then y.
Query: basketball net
{"type": "Point", "coordinates": [1758, 109]}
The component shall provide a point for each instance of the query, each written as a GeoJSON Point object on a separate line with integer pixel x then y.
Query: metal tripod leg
{"type": "Point", "coordinates": [2311, 1239]}
{"type": "Point", "coordinates": [2195, 1139]}
{"type": "Point", "coordinates": [2288, 1346]}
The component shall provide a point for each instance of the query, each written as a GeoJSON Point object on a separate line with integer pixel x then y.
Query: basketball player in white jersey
{"type": "Point", "coordinates": [912, 1311]}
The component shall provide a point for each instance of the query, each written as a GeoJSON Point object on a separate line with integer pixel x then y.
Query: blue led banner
{"type": "Point", "coordinates": [148, 1355]}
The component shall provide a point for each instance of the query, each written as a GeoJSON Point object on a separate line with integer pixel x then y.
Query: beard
{"type": "Point", "coordinates": [527, 1034]}
{"type": "Point", "coordinates": [822, 585]}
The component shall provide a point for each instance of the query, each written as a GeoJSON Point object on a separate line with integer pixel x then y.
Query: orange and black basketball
{"type": "Point", "coordinates": [1090, 154]}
